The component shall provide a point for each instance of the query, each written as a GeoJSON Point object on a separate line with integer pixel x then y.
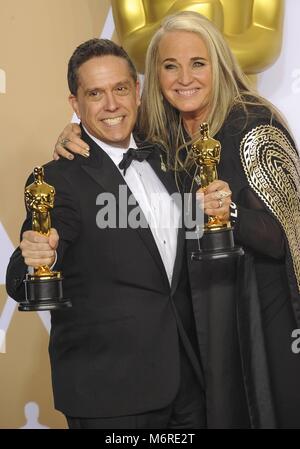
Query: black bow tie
{"type": "Point", "coordinates": [139, 154]}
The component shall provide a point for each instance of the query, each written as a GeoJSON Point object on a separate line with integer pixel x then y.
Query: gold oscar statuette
{"type": "Point", "coordinates": [217, 240]}
{"type": "Point", "coordinates": [43, 288]}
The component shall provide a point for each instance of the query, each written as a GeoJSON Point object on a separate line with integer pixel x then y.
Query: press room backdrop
{"type": "Point", "coordinates": [37, 38]}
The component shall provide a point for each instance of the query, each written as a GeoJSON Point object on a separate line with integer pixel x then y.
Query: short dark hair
{"type": "Point", "coordinates": [91, 49]}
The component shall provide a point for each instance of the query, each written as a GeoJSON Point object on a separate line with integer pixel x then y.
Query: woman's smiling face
{"type": "Point", "coordinates": [185, 74]}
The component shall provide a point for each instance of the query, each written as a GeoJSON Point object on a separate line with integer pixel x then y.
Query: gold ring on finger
{"type": "Point", "coordinates": [64, 141]}
{"type": "Point", "coordinates": [224, 194]}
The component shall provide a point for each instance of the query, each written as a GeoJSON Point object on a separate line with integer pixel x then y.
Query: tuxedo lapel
{"type": "Point", "coordinates": [159, 166]}
{"type": "Point", "coordinates": [104, 172]}
{"type": "Point", "coordinates": [101, 168]}
{"type": "Point", "coordinates": [180, 253]}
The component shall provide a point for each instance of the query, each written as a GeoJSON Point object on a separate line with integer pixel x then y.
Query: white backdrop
{"type": "Point", "coordinates": [281, 83]}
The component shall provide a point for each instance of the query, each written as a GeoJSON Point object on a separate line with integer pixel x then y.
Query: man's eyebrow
{"type": "Point", "coordinates": [121, 83]}
{"type": "Point", "coordinates": [97, 88]}
{"type": "Point", "coordinates": [91, 89]}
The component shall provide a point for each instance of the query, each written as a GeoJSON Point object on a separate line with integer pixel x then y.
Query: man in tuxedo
{"type": "Point", "coordinates": [124, 355]}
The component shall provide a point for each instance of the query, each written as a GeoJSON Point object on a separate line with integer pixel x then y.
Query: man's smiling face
{"type": "Point", "coordinates": [107, 99]}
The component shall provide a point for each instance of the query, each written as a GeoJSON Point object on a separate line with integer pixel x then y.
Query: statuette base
{"type": "Point", "coordinates": [43, 293]}
{"type": "Point", "coordinates": [217, 244]}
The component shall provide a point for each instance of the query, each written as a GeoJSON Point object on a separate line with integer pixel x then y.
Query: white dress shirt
{"type": "Point", "coordinates": [159, 208]}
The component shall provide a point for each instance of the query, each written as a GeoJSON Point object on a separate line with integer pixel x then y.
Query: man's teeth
{"type": "Point", "coordinates": [113, 121]}
{"type": "Point", "coordinates": [187, 92]}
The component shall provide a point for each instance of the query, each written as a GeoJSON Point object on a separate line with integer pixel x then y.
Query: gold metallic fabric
{"type": "Point", "coordinates": [272, 167]}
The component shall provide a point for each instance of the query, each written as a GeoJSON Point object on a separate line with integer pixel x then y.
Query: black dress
{"type": "Point", "coordinates": [261, 165]}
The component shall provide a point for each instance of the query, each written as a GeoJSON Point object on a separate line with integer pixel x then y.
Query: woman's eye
{"type": "Point", "coordinates": [198, 64]}
{"type": "Point", "coordinates": [170, 66]}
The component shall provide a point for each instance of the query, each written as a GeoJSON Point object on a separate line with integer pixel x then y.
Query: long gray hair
{"type": "Point", "coordinates": [159, 120]}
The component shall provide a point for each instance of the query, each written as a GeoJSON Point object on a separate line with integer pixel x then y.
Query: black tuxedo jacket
{"type": "Point", "coordinates": [116, 351]}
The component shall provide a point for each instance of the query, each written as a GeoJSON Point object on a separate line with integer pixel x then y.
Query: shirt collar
{"type": "Point", "coordinates": [114, 152]}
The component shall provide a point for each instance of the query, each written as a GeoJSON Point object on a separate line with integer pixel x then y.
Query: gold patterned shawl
{"type": "Point", "coordinates": [272, 167]}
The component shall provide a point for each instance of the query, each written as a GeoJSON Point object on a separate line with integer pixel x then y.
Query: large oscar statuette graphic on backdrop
{"type": "Point", "coordinates": [242, 22]}
{"type": "Point", "coordinates": [217, 241]}
{"type": "Point", "coordinates": [43, 288]}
